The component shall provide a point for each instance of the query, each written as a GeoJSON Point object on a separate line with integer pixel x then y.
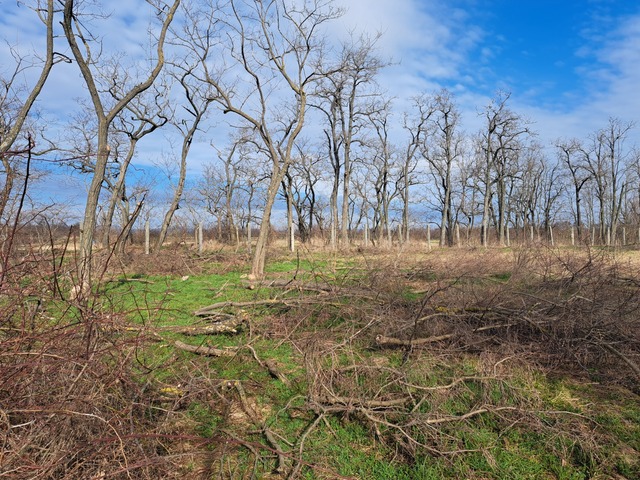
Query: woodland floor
{"type": "Point", "coordinates": [358, 364]}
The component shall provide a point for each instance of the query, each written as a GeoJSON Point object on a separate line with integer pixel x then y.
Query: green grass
{"type": "Point", "coordinates": [571, 430]}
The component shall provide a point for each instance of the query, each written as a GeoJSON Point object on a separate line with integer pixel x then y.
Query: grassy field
{"type": "Point", "coordinates": [359, 364]}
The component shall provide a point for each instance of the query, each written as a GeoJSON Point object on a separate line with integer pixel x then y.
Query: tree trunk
{"type": "Point", "coordinates": [126, 229]}
{"type": "Point", "coordinates": [175, 202]}
{"type": "Point", "coordinates": [104, 119]}
{"type": "Point", "coordinates": [117, 193]}
{"type": "Point", "coordinates": [89, 220]}
{"type": "Point", "coordinates": [260, 253]}
{"type": "Point", "coordinates": [290, 229]}
{"type": "Point", "coordinates": [344, 226]}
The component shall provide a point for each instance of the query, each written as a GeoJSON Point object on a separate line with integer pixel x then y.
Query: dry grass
{"type": "Point", "coordinates": [81, 396]}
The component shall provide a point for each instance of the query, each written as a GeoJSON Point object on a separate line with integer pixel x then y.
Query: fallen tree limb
{"type": "Point", "coordinates": [460, 418]}
{"type": "Point", "coordinates": [320, 287]}
{"type": "Point", "coordinates": [384, 341]}
{"type": "Point", "coordinates": [259, 422]}
{"type": "Point", "coordinates": [204, 350]}
{"type": "Point", "coordinates": [353, 402]}
{"type": "Point", "coordinates": [448, 386]}
{"type": "Point", "coordinates": [208, 310]}
{"type": "Point", "coordinates": [297, 285]}
{"type": "Point", "coordinates": [303, 437]}
{"type": "Point", "coordinates": [271, 366]}
{"type": "Point", "coordinates": [229, 325]}
{"type": "Point", "coordinates": [208, 330]}
{"type": "Point", "coordinates": [633, 365]}
{"type": "Point", "coordinates": [130, 280]}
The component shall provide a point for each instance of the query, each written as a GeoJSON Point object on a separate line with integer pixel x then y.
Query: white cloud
{"type": "Point", "coordinates": [434, 45]}
{"type": "Point", "coordinates": [611, 89]}
{"type": "Point", "coordinates": [403, 24]}
{"type": "Point", "coordinates": [427, 40]}
{"type": "Point", "coordinates": [621, 58]}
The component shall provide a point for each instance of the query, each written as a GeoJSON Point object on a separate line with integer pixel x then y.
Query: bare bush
{"type": "Point", "coordinates": [74, 402]}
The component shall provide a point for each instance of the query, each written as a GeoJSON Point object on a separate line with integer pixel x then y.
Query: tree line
{"type": "Point", "coordinates": [307, 124]}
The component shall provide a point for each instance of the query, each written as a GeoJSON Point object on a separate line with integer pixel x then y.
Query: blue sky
{"type": "Point", "coordinates": [564, 59]}
{"type": "Point", "coordinates": [569, 64]}
{"type": "Point", "coordinates": [548, 50]}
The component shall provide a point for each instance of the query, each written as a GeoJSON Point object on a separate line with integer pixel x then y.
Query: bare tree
{"type": "Point", "coordinates": [416, 125]}
{"type": "Point", "coordinates": [569, 153]}
{"type": "Point", "coordinates": [613, 137]}
{"type": "Point", "coordinates": [272, 58]}
{"type": "Point", "coordinates": [141, 117]}
{"type": "Point", "coordinates": [14, 109]}
{"type": "Point", "coordinates": [305, 175]}
{"type": "Point", "coordinates": [466, 192]}
{"type": "Point", "coordinates": [195, 109]}
{"type": "Point", "coordinates": [499, 147]}
{"type": "Point", "coordinates": [384, 166]}
{"type": "Point", "coordinates": [632, 201]}
{"type": "Point", "coordinates": [607, 160]}
{"type": "Point", "coordinates": [108, 100]}
{"type": "Point", "coordinates": [527, 188]}
{"type": "Point", "coordinates": [222, 183]}
{"type": "Point", "coordinates": [552, 193]}
{"type": "Point", "coordinates": [347, 98]}
{"type": "Point", "coordinates": [441, 151]}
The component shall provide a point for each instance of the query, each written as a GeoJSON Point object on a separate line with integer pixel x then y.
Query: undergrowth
{"type": "Point", "coordinates": [370, 365]}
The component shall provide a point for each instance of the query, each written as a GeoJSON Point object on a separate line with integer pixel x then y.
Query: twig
{"type": "Point", "coordinates": [296, 468]}
{"type": "Point", "coordinates": [268, 434]}
{"type": "Point", "coordinates": [457, 381]}
{"type": "Point", "coordinates": [460, 418]}
{"type": "Point", "coordinates": [633, 365]}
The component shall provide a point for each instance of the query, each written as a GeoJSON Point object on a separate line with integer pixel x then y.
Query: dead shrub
{"type": "Point", "coordinates": [74, 402]}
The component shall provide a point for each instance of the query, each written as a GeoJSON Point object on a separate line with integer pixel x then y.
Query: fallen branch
{"type": "Point", "coordinates": [268, 434]}
{"type": "Point", "coordinates": [353, 402]}
{"type": "Point", "coordinates": [259, 422]}
{"type": "Point", "coordinates": [271, 366]}
{"type": "Point", "coordinates": [301, 286]}
{"type": "Point", "coordinates": [303, 437]}
{"type": "Point", "coordinates": [204, 350]}
{"type": "Point", "coordinates": [633, 365]}
{"type": "Point", "coordinates": [230, 325]}
{"type": "Point", "coordinates": [130, 280]}
{"type": "Point", "coordinates": [384, 341]}
{"type": "Point", "coordinates": [460, 418]}
{"type": "Point", "coordinates": [448, 386]}
{"type": "Point", "coordinates": [208, 330]}
{"type": "Point", "coordinates": [208, 310]}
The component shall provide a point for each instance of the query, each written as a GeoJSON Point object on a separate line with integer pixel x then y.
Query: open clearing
{"type": "Point", "coordinates": [362, 364]}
